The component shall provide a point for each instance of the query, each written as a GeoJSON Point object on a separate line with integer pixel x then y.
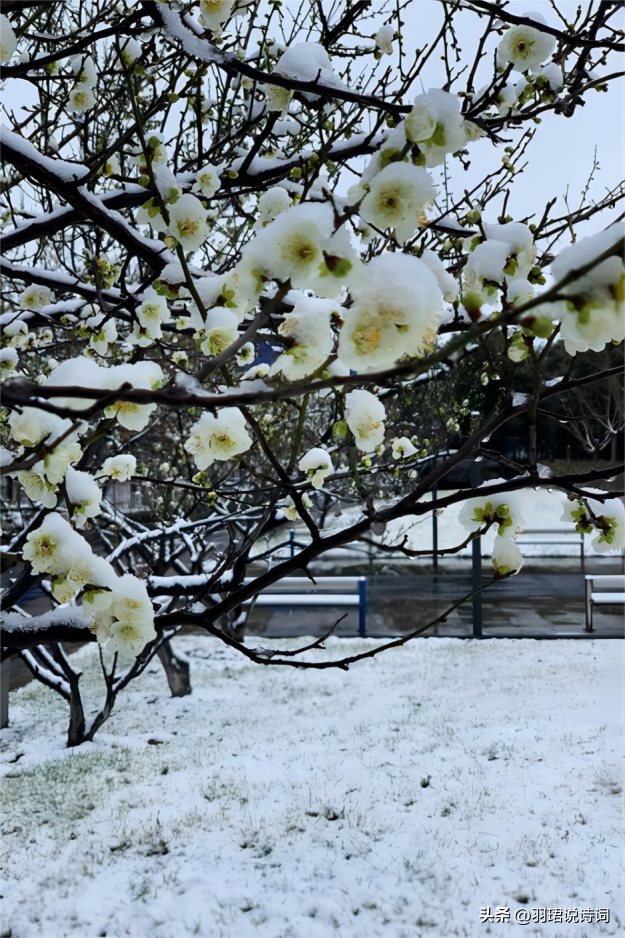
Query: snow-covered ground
{"type": "Point", "coordinates": [395, 800]}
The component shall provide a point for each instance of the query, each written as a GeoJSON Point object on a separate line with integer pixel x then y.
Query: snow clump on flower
{"type": "Point", "coordinates": [365, 416]}
{"type": "Point", "coordinates": [218, 437]}
{"type": "Point", "coordinates": [8, 362]}
{"type": "Point", "coordinates": [384, 39]}
{"type": "Point", "coordinates": [271, 204]}
{"type": "Point", "coordinates": [436, 125]}
{"type": "Point", "coordinates": [396, 197]}
{"type": "Point", "coordinates": [524, 46]}
{"type": "Point", "coordinates": [317, 464]}
{"type": "Point", "coordinates": [83, 492]}
{"type": "Point", "coordinates": [396, 311]}
{"type": "Point", "coordinates": [448, 284]}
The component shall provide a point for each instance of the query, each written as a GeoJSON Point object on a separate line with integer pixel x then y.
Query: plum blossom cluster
{"type": "Point", "coordinates": [119, 607]}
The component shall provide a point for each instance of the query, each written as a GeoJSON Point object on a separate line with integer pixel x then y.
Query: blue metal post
{"type": "Point", "coordinates": [292, 539]}
{"type": "Point", "coordinates": [362, 608]}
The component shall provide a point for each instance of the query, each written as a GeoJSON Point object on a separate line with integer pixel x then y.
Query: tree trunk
{"type": "Point", "coordinates": [176, 670]}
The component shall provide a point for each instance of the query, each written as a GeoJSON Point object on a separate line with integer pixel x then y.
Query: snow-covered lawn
{"type": "Point", "coordinates": [394, 800]}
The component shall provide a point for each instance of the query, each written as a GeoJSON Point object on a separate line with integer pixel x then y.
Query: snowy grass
{"type": "Point", "coordinates": [395, 800]}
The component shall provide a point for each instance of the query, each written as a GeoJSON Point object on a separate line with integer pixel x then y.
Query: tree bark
{"type": "Point", "coordinates": [176, 670]}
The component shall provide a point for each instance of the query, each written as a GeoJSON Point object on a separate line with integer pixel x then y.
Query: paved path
{"type": "Point", "coordinates": [530, 605]}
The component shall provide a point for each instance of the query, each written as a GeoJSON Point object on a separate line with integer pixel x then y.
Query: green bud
{"type": "Point", "coordinates": [339, 430]}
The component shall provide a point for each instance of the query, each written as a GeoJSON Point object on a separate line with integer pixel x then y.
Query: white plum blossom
{"type": "Point", "coordinates": [187, 222]}
{"type": "Point", "coordinates": [389, 151]}
{"type": "Point", "coordinates": [104, 333]}
{"type": "Point", "coordinates": [524, 46]}
{"type": "Point", "coordinates": [307, 329]}
{"type": "Point", "coordinates": [151, 216]}
{"type": "Point", "coordinates": [593, 314]}
{"type": "Point", "coordinates": [83, 492]}
{"type": "Point", "coordinates": [207, 181]}
{"type": "Point", "coordinates": [8, 40]}
{"type": "Point", "coordinates": [403, 448]}
{"type": "Point", "coordinates": [290, 508]}
{"type": "Point", "coordinates": [35, 298]}
{"type": "Point", "coordinates": [218, 437]}
{"type": "Point", "coordinates": [52, 547]}
{"type": "Point", "coordinates": [606, 520]}
{"type": "Point", "coordinates": [152, 313]}
{"type": "Point", "coordinates": [145, 374]}
{"type": "Point", "coordinates": [84, 68]}
{"type": "Point", "coordinates": [384, 39]}
{"type": "Point", "coordinates": [503, 510]}
{"type": "Point", "coordinates": [220, 330]}
{"type": "Point", "coordinates": [214, 13]}
{"type": "Point", "coordinates": [436, 125]}
{"type": "Point", "coordinates": [86, 568]}
{"type": "Point", "coordinates": [32, 426]}
{"type": "Point", "coordinates": [81, 99]}
{"type": "Point", "coordinates": [263, 370]}
{"type": "Point", "coordinates": [317, 464]}
{"type": "Point", "coordinates": [365, 415]}
{"type": "Point", "coordinates": [521, 247]}
{"type": "Point", "coordinates": [396, 311]}
{"type": "Point", "coordinates": [396, 197]}
{"type": "Point", "coordinates": [131, 50]}
{"type": "Point", "coordinates": [123, 617]}
{"type": "Point", "coordinates": [121, 468]}
{"type": "Point", "coordinates": [507, 255]}
{"type": "Point", "coordinates": [37, 488]}
{"type": "Point", "coordinates": [300, 246]}
{"type": "Point", "coordinates": [278, 98]}
{"type": "Point", "coordinates": [507, 558]}
{"type": "Point", "coordinates": [246, 354]}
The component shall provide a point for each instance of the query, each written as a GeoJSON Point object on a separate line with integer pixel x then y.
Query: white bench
{"type": "Point", "coordinates": [328, 591]}
{"type": "Point", "coordinates": [603, 591]}
{"type": "Point", "coordinates": [528, 536]}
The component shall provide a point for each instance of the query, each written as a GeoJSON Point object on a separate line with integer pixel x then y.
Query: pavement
{"type": "Point", "coordinates": [544, 601]}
